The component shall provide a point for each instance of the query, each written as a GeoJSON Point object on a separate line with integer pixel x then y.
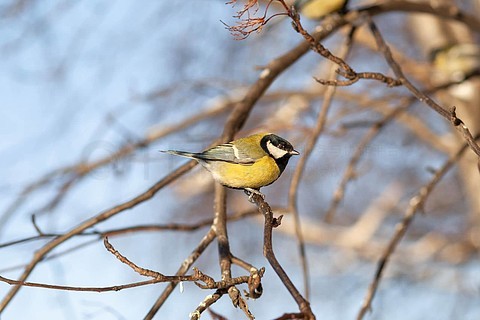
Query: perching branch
{"type": "Point", "coordinates": [270, 223]}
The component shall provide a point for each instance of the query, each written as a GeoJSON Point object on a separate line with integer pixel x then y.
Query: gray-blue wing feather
{"type": "Point", "coordinates": [224, 152]}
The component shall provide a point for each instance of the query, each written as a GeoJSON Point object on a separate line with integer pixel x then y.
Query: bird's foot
{"type": "Point", "coordinates": [250, 192]}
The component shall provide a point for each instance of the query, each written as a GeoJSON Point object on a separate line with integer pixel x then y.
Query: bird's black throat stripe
{"type": "Point", "coordinates": [280, 143]}
{"type": "Point", "coordinates": [282, 162]}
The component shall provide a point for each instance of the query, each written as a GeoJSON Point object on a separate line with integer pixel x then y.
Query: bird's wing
{"type": "Point", "coordinates": [226, 152]}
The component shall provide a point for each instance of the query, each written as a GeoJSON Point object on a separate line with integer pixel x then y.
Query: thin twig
{"type": "Point", "coordinates": [142, 271]}
{"type": "Point", "coordinates": [185, 266]}
{"type": "Point", "coordinates": [82, 289]}
{"type": "Point", "coordinates": [202, 280]}
{"type": "Point", "coordinates": [345, 70]}
{"type": "Point", "coordinates": [205, 304]}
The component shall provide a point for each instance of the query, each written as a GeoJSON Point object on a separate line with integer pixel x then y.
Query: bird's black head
{"type": "Point", "coordinates": [278, 148]}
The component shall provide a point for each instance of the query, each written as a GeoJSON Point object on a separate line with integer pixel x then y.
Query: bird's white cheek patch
{"type": "Point", "coordinates": [277, 153]}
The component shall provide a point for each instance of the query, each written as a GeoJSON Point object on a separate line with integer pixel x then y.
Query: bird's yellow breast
{"type": "Point", "coordinates": [261, 173]}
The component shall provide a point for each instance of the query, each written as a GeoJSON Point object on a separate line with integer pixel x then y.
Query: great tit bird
{"type": "Point", "coordinates": [456, 61]}
{"type": "Point", "coordinates": [317, 9]}
{"type": "Point", "coordinates": [248, 163]}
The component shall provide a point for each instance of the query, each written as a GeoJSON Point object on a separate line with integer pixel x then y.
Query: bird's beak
{"type": "Point", "coordinates": [294, 153]}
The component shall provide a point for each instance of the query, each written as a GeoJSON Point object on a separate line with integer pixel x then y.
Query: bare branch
{"type": "Point", "coordinates": [270, 223]}
{"type": "Point", "coordinates": [83, 289]}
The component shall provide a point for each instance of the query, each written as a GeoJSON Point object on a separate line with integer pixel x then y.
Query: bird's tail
{"type": "Point", "coordinates": [181, 153]}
